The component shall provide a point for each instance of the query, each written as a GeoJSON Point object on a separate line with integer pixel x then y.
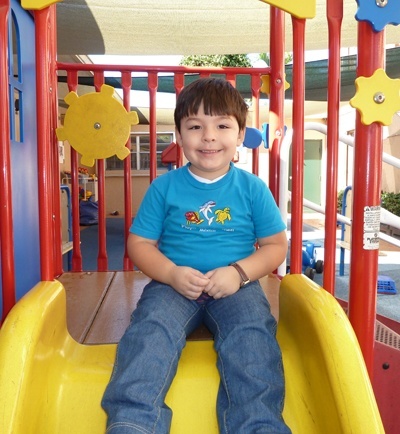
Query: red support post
{"type": "Point", "coordinates": [72, 80]}
{"type": "Point", "coordinates": [366, 198]}
{"type": "Point", "coordinates": [255, 93]}
{"type": "Point", "coordinates": [45, 175]}
{"type": "Point", "coordinates": [334, 11]}
{"type": "Point", "coordinates": [56, 197]}
{"type": "Point", "coordinates": [179, 84]}
{"type": "Point", "coordinates": [6, 221]}
{"type": "Point", "coordinates": [277, 96]}
{"type": "Point", "coordinates": [153, 84]}
{"type": "Point", "coordinates": [126, 82]}
{"type": "Point", "coordinates": [297, 146]}
{"type": "Point", "coordinates": [102, 259]}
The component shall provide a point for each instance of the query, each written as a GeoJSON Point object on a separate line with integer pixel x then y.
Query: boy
{"type": "Point", "coordinates": [194, 235]}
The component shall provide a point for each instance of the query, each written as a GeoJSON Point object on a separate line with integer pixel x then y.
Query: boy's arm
{"type": "Point", "coordinates": [145, 254]}
{"type": "Point", "coordinates": [267, 258]}
{"type": "Point", "coordinates": [271, 253]}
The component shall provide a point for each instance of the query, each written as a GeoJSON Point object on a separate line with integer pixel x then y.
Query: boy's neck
{"type": "Point", "coordinates": [209, 179]}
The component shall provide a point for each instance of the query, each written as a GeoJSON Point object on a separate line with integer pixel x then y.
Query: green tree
{"type": "Point", "coordinates": [265, 57]}
{"type": "Point", "coordinates": [218, 60]}
{"type": "Point", "coordinates": [237, 60]}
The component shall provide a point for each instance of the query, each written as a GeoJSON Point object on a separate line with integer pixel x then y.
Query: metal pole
{"type": "Point", "coordinates": [366, 199]}
{"type": "Point", "coordinates": [45, 179]}
{"type": "Point", "coordinates": [334, 10]}
{"type": "Point", "coordinates": [277, 96]}
{"type": "Point", "coordinates": [298, 145]}
{"type": "Point", "coordinates": [6, 222]}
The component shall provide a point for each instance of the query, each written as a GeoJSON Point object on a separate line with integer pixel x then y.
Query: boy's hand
{"type": "Point", "coordinates": [188, 282]}
{"type": "Point", "coordinates": [224, 281]}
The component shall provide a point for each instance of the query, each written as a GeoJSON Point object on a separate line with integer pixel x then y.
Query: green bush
{"type": "Point", "coordinates": [340, 201]}
{"type": "Point", "coordinates": [391, 202]}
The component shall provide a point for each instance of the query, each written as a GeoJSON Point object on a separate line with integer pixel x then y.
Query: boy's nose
{"type": "Point", "coordinates": [208, 135]}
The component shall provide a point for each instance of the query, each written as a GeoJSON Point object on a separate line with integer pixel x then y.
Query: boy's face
{"type": "Point", "coordinates": [209, 142]}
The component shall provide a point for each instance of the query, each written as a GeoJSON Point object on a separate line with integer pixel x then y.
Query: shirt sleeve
{"type": "Point", "coordinates": [148, 222]}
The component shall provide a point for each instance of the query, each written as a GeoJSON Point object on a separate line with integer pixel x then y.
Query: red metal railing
{"type": "Point", "coordinates": [126, 72]}
{"type": "Point", "coordinates": [126, 82]}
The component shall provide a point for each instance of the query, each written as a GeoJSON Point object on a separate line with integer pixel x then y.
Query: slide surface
{"type": "Point", "coordinates": [49, 383]}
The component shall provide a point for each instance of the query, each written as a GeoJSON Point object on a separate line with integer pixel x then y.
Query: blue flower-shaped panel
{"type": "Point", "coordinates": [379, 13]}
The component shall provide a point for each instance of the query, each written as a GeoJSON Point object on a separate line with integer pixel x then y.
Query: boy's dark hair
{"type": "Point", "coordinates": [218, 96]}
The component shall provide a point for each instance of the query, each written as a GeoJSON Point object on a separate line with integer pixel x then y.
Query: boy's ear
{"type": "Point", "coordinates": [240, 137]}
{"type": "Point", "coordinates": [178, 137]}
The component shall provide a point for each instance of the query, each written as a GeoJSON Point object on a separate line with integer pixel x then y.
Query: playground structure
{"type": "Point", "coordinates": [47, 350]}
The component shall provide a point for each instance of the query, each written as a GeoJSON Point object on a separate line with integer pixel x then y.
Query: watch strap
{"type": "Point", "coordinates": [242, 273]}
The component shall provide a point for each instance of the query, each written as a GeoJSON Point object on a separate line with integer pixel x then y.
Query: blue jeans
{"type": "Point", "coordinates": [251, 392]}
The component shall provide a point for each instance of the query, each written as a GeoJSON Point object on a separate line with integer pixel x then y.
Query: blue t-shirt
{"type": "Point", "coordinates": [206, 226]}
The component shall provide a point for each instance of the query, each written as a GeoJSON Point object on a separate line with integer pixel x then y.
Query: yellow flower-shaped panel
{"type": "Point", "coordinates": [266, 84]}
{"type": "Point", "coordinates": [299, 9]}
{"type": "Point", "coordinates": [96, 125]}
{"type": "Point", "coordinates": [377, 98]}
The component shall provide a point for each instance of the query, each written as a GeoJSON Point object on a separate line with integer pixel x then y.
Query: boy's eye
{"type": "Point", "coordinates": [194, 127]}
{"type": "Point", "coordinates": [223, 126]}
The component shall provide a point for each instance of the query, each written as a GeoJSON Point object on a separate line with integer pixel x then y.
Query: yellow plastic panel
{"type": "Point", "coordinates": [193, 393]}
{"type": "Point", "coordinates": [38, 4]}
{"type": "Point", "coordinates": [97, 125]}
{"type": "Point", "coordinates": [327, 385]}
{"type": "Point", "coordinates": [299, 9]}
{"type": "Point", "coordinates": [266, 84]}
{"type": "Point", "coordinates": [51, 384]}
{"type": "Point", "coordinates": [377, 98]}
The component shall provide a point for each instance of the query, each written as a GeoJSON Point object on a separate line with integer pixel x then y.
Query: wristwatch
{"type": "Point", "coordinates": [243, 275]}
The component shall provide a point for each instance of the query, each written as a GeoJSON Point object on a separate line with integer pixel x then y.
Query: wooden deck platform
{"type": "Point", "coordinates": [100, 304]}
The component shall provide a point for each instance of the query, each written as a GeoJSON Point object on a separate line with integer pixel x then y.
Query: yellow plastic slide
{"type": "Point", "coordinates": [51, 384]}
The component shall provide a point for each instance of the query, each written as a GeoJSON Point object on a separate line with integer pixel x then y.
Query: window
{"type": "Point", "coordinates": [140, 152]}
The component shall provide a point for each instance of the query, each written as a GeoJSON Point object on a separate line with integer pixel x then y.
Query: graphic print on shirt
{"type": "Point", "coordinates": [206, 210]}
{"type": "Point", "coordinates": [223, 214]}
{"type": "Point", "coordinates": [192, 217]}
